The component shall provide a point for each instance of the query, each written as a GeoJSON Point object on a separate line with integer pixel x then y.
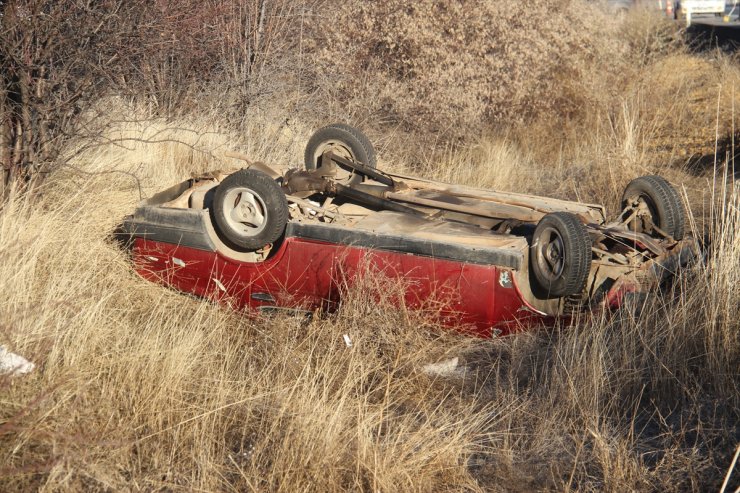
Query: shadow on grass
{"type": "Point", "coordinates": [706, 37]}
{"type": "Point", "coordinates": [728, 151]}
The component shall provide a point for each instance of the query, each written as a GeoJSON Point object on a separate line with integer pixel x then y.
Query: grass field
{"type": "Point", "coordinates": [139, 388]}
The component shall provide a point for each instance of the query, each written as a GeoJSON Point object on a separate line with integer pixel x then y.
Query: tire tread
{"type": "Point", "coordinates": [345, 133]}
{"type": "Point", "coordinates": [666, 200]}
{"type": "Point", "coordinates": [274, 200]}
{"type": "Point", "coordinates": [577, 250]}
{"type": "Point", "coordinates": [363, 139]}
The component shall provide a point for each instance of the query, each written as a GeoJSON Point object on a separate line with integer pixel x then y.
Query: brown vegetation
{"type": "Point", "coordinates": [140, 388]}
{"type": "Point", "coordinates": [451, 67]}
{"type": "Point", "coordinates": [59, 58]}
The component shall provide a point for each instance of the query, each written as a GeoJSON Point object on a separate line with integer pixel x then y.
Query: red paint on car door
{"type": "Point", "coordinates": [309, 275]}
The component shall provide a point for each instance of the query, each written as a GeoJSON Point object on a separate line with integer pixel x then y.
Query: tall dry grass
{"type": "Point", "coordinates": [142, 388]}
{"type": "Point", "coordinates": [585, 97]}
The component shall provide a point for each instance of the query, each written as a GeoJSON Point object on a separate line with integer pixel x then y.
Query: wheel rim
{"type": "Point", "coordinates": [550, 254]}
{"type": "Point", "coordinates": [245, 211]}
{"type": "Point", "coordinates": [340, 149]}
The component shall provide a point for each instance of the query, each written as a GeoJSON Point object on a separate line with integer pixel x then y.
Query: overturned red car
{"type": "Point", "coordinates": [279, 238]}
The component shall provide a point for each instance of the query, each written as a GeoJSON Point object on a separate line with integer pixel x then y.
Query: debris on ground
{"type": "Point", "coordinates": [446, 368]}
{"type": "Point", "coordinates": [14, 364]}
{"type": "Point", "coordinates": [347, 340]}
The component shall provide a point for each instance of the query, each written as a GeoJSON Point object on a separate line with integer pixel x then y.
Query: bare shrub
{"type": "Point", "coordinates": [54, 58]}
{"type": "Point", "coordinates": [449, 67]}
{"type": "Point", "coordinates": [59, 59]}
{"type": "Point", "coordinates": [578, 92]}
{"type": "Point", "coordinates": [650, 36]}
{"type": "Point", "coordinates": [224, 53]}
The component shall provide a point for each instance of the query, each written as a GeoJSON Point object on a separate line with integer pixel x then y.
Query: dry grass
{"type": "Point", "coordinates": [570, 89]}
{"type": "Point", "coordinates": [140, 388]}
{"type": "Point", "coordinates": [143, 387]}
{"type": "Point", "coordinates": [448, 67]}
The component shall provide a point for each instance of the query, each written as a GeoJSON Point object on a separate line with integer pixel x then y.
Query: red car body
{"type": "Point", "coordinates": [310, 275]}
{"type": "Point", "coordinates": [481, 287]}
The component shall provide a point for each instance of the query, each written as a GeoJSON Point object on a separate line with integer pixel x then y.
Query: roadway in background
{"type": "Point", "coordinates": [709, 31]}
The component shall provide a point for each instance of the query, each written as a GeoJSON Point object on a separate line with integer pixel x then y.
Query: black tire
{"type": "Point", "coordinates": [372, 158]}
{"type": "Point", "coordinates": [560, 255]}
{"type": "Point", "coordinates": [665, 205]}
{"type": "Point", "coordinates": [249, 209]}
{"type": "Point", "coordinates": [348, 142]}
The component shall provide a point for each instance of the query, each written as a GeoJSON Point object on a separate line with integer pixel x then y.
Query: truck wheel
{"type": "Point", "coordinates": [345, 141]}
{"type": "Point", "coordinates": [560, 255]}
{"type": "Point", "coordinates": [250, 209]}
{"type": "Point", "coordinates": [662, 202]}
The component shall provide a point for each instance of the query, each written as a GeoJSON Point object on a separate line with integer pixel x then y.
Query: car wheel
{"type": "Point", "coordinates": [560, 255]}
{"type": "Point", "coordinates": [661, 200]}
{"type": "Point", "coordinates": [345, 141]}
{"type": "Point", "coordinates": [372, 159]}
{"type": "Point", "coordinates": [250, 209]}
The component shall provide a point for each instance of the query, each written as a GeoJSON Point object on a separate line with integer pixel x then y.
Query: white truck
{"type": "Point", "coordinates": [686, 9]}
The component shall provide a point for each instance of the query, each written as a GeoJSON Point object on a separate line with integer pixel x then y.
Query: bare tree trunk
{"type": "Point", "coordinates": [17, 149]}
{"type": "Point", "coordinates": [260, 34]}
{"type": "Point", "coordinates": [5, 158]}
{"type": "Point", "coordinates": [260, 25]}
{"type": "Point", "coordinates": [42, 121]}
{"type": "Point", "coordinates": [27, 154]}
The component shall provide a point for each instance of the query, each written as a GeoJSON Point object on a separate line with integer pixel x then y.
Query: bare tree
{"type": "Point", "coordinates": [59, 57]}
{"type": "Point", "coordinates": [55, 56]}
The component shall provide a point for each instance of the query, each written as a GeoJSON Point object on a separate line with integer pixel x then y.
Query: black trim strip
{"type": "Point", "coordinates": [416, 246]}
{"type": "Point", "coordinates": [186, 227]}
{"type": "Point", "coordinates": [176, 226]}
{"type": "Point", "coordinates": [263, 297]}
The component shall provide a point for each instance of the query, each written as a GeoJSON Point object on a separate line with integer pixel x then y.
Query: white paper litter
{"type": "Point", "coordinates": [347, 340]}
{"type": "Point", "coordinates": [219, 284]}
{"type": "Point", "coordinates": [14, 364]}
{"type": "Point", "coordinates": [446, 368]}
